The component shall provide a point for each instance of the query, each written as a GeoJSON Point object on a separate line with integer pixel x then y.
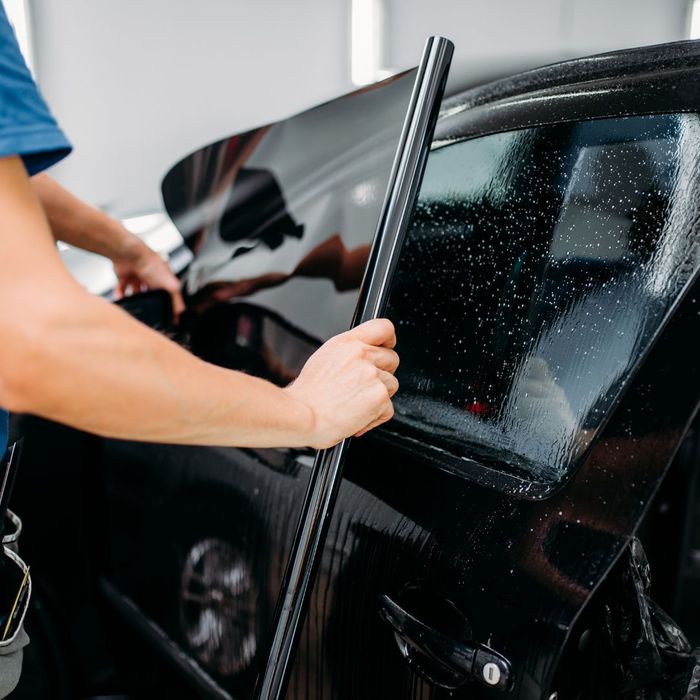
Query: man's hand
{"type": "Point", "coordinates": [139, 268]}
{"type": "Point", "coordinates": [79, 224]}
{"type": "Point", "coordinates": [348, 383]}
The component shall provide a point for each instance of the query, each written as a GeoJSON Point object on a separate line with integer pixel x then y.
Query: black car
{"type": "Point", "coordinates": [548, 316]}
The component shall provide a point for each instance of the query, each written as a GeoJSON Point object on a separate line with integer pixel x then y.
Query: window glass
{"type": "Point", "coordinates": [283, 216]}
{"type": "Point", "coordinates": [537, 268]}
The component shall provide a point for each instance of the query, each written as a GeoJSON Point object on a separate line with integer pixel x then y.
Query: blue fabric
{"type": "Point", "coordinates": [27, 128]}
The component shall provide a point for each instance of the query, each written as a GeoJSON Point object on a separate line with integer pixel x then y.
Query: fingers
{"type": "Point", "coordinates": [387, 410]}
{"type": "Point", "coordinates": [386, 415]}
{"type": "Point", "coordinates": [165, 278]}
{"type": "Point", "coordinates": [152, 272]}
{"type": "Point", "coordinates": [390, 382]}
{"type": "Point", "coordinates": [124, 284]}
{"type": "Point", "coordinates": [379, 332]}
{"type": "Point", "coordinates": [383, 358]}
{"type": "Point", "coordinates": [178, 302]}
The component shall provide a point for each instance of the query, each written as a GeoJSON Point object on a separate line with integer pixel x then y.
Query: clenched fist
{"type": "Point", "coordinates": [348, 383]}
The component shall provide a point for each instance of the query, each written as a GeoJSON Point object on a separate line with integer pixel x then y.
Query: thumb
{"type": "Point", "coordinates": [379, 331]}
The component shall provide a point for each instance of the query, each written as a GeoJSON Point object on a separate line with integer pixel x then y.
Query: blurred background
{"type": "Point", "coordinates": [137, 85]}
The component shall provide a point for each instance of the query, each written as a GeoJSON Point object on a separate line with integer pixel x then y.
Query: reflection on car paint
{"type": "Point", "coordinates": [218, 607]}
{"type": "Point", "coordinates": [252, 339]}
{"type": "Point", "coordinates": [284, 215]}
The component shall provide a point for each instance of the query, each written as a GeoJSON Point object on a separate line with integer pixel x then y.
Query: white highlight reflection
{"type": "Point", "coordinates": [695, 20]}
{"type": "Point", "coordinates": [367, 41]}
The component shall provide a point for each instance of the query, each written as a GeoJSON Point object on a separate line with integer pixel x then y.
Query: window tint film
{"type": "Point", "coordinates": [283, 217]}
{"type": "Point", "coordinates": [538, 266]}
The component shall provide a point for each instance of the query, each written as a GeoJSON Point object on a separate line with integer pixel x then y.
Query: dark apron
{"type": "Point", "coordinates": [15, 582]}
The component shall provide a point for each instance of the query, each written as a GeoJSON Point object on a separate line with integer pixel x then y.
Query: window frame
{"type": "Point", "coordinates": [663, 93]}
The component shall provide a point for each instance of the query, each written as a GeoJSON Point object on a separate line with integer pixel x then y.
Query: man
{"type": "Point", "coordinates": [77, 359]}
{"type": "Point", "coordinates": [80, 360]}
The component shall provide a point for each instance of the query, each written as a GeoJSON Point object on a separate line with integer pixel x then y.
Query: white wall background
{"type": "Point", "coordinates": [138, 83]}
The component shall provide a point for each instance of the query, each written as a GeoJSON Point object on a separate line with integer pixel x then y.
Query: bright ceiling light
{"type": "Point", "coordinates": [367, 42]}
{"type": "Point", "coordinates": [695, 20]}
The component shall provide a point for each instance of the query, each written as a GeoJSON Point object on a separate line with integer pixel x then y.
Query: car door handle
{"type": "Point", "coordinates": [463, 659]}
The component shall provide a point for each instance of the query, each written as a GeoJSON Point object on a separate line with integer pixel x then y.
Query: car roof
{"type": "Point", "coordinates": [649, 79]}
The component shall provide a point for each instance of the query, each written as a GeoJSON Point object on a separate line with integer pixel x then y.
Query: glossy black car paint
{"type": "Point", "coordinates": [465, 553]}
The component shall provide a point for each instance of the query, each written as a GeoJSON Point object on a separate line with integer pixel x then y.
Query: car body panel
{"type": "Point", "coordinates": [516, 567]}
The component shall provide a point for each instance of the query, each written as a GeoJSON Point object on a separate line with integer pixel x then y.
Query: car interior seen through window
{"type": "Point", "coordinates": [538, 266]}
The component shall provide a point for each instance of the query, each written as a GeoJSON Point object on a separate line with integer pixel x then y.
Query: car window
{"type": "Point", "coordinates": [283, 216]}
{"type": "Point", "coordinates": [538, 266]}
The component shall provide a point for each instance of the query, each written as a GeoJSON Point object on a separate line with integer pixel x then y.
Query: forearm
{"type": "Point", "coordinates": [77, 359]}
{"type": "Point", "coordinates": [74, 222]}
{"type": "Point", "coordinates": [86, 363]}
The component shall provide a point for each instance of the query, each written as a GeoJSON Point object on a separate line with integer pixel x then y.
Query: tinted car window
{"type": "Point", "coordinates": [538, 266]}
{"type": "Point", "coordinates": [283, 216]}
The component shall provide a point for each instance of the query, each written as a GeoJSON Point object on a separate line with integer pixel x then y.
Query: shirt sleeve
{"type": "Point", "coordinates": [27, 127]}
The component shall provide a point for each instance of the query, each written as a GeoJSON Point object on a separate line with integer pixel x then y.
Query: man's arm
{"type": "Point", "coordinates": [77, 359]}
{"type": "Point", "coordinates": [77, 223]}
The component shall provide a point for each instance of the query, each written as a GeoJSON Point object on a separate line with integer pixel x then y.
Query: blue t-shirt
{"type": "Point", "coordinates": [27, 128]}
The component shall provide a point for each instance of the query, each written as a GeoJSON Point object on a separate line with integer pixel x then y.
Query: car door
{"type": "Point", "coordinates": [545, 306]}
